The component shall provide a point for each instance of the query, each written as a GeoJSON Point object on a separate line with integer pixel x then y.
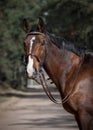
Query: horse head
{"type": "Point", "coordinates": [34, 46]}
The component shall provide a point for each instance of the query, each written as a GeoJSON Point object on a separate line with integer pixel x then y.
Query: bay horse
{"type": "Point", "coordinates": [70, 67]}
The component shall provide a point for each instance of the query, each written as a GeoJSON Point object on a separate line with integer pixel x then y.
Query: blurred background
{"type": "Point", "coordinates": [71, 19]}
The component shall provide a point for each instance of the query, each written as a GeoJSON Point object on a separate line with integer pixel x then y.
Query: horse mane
{"type": "Point", "coordinates": [62, 43]}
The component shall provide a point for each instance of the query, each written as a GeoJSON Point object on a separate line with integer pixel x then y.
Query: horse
{"type": "Point", "coordinates": [69, 66]}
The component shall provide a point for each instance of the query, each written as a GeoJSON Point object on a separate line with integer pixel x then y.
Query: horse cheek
{"type": "Point", "coordinates": [36, 64]}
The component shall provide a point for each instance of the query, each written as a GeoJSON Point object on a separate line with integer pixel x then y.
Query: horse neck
{"type": "Point", "coordinates": [59, 64]}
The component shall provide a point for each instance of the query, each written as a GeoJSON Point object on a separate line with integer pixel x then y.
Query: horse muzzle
{"type": "Point", "coordinates": [31, 73]}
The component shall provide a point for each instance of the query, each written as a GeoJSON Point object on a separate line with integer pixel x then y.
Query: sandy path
{"type": "Point", "coordinates": [34, 111]}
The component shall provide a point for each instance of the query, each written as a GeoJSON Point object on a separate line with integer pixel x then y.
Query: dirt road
{"type": "Point", "coordinates": [33, 111]}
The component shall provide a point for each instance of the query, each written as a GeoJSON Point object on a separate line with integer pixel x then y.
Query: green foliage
{"type": "Point", "coordinates": [72, 19]}
{"type": "Point", "coordinates": [12, 13]}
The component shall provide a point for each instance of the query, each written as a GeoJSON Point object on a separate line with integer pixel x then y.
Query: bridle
{"type": "Point", "coordinates": [42, 79]}
{"type": "Point", "coordinates": [40, 72]}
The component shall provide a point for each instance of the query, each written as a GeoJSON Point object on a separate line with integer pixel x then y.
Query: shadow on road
{"type": "Point", "coordinates": [52, 122]}
{"type": "Point", "coordinates": [36, 113]}
{"type": "Point", "coordinates": [36, 94]}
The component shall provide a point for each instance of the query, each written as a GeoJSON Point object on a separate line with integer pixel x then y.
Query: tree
{"type": "Point", "coordinates": [12, 13]}
{"type": "Point", "coordinates": [72, 19]}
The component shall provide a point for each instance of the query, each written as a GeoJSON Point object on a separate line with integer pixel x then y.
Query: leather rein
{"type": "Point", "coordinates": [42, 79]}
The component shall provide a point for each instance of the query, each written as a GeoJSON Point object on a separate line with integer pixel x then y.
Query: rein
{"type": "Point", "coordinates": [48, 92]}
{"type": "Point", "coordinates": [43, 81]}
{"type": "Point", "coordinates": [66, 98]}
{"type": "Point", "coordinates": [46, 88]}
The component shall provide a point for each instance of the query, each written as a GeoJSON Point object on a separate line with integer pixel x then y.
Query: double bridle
{"type": "Point", "coordinates": [42, 80]}
{"type": "Point", "coordinates": [40, 72]}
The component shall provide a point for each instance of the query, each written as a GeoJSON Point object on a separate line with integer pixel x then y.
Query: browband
{"type": "Point", "coordinates": [32, 33]}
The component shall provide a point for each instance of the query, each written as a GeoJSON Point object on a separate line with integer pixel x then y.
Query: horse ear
{"type": "Point", "coordinates": [25, 25]}
{"type": "Point", "coordinates": [41, 25]}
